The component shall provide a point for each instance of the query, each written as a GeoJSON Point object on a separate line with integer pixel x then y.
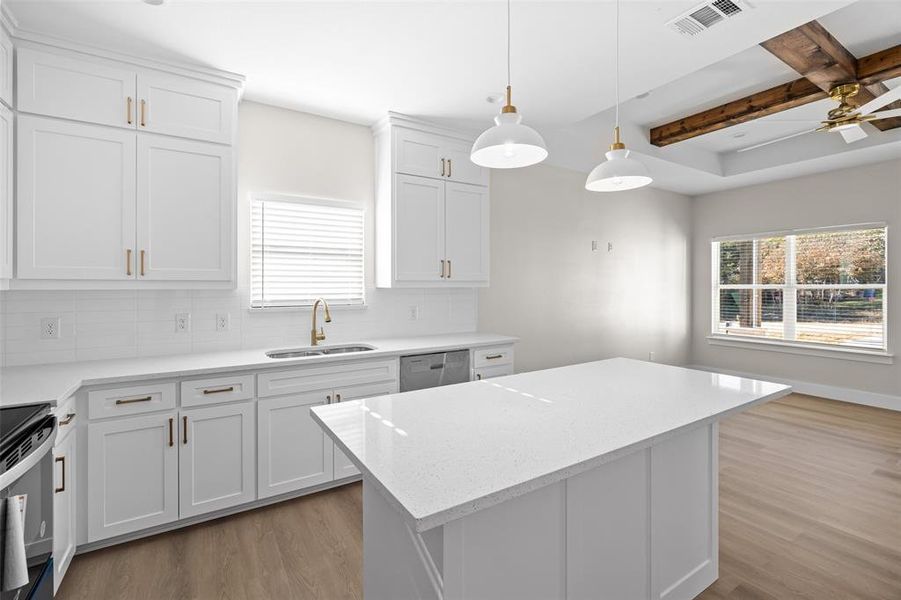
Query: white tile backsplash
{"type": "Point", "coordinates": [97, 325]}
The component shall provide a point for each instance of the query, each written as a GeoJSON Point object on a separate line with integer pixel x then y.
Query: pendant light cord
{"type": "Point", "coordinates": [508, 42]}
{"type": "Point", "coordinates": [617, 63]}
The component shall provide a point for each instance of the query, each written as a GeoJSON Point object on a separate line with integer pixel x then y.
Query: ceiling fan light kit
{"type": "Point", "coordinates": [619, 172]}
{"type": "Point", "coordinates": [509, 144]}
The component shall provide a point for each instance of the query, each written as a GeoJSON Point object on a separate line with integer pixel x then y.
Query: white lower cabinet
{"type": "Point", "coordinates": [216, 458]}
{"type": "Point", "coordinates": [132, 474]}
{"type": "Point", "coordinates": [294, 452]}
{"type": "Point", "coordinates": [64, 512]}
{"type": "Point", "coordinates": [343, 466]}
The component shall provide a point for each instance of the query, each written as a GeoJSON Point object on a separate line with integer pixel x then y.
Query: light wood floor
{"type": "Point", "coordinates": [810, 508]}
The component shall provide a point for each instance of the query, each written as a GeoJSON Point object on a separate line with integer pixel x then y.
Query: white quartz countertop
{"type": "Point", "coordinates": [443, 453]}
{"type": "Point", "coordinates": [56, 382]}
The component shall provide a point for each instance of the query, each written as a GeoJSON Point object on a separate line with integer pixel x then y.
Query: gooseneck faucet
{"type": "Point", "coordinates": [318, 336]}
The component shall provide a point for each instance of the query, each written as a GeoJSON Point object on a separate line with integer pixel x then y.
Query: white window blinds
{"type": "Point", "coordinates": [303, 249]}
{"type": "Point", "coordinates": [821, 287]}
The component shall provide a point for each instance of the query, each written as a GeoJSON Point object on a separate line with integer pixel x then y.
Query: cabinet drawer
{"type": "Point", "coordinates": [214, 391]}
{"type": "Point", "coordinates": [495, 371]}
{"type": "Point", "coordinates": [65, 419]}
{"type": "Point", "coordinates": [307, 379]}
{"type": "Point", "coordinates": [487, 357]}
{"type": "Point", "coordinates": [118, 402]}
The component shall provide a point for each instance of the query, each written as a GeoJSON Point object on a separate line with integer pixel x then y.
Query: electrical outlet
{"type": "Point", "coordinates": [414, 312]}
{"type": "Point", "coordinates": [50, 328]}
{"type": "Point", "coordinates": [223, 322]}
{"type": "Point", "coordinates": [182, 322]}
{"type": "Point", "coordinates": [651, 356]}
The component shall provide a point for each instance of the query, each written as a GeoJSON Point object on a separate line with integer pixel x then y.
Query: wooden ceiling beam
{"type": "Point", "coordinates": [818, 53]}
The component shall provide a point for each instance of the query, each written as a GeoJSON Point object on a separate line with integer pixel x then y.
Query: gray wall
{"type": "Point", "coordinates": [570, 304]}
{"type": "Point", "coordinates": [863, 194]}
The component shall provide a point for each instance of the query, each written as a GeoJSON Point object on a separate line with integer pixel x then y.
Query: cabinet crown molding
{"type": "Point", "coordinates": [395, 119]}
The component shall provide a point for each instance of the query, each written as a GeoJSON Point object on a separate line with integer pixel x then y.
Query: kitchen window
{"type": "Point", "coordinates": [303, 249]}
{"type": "Point", "coordinates": [821, 288]}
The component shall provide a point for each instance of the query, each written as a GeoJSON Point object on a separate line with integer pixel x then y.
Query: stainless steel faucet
{"type": "Point", "coordinates": [318, 336]}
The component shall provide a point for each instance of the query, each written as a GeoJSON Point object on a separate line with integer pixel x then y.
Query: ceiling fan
{"type": "Point", "coordinates": [847, 118]}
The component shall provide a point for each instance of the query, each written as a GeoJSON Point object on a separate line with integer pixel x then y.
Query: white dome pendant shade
{"type": "Point", "coordinates": [509, 144]}
{"type": "Point", "coordinates": [619, 172]}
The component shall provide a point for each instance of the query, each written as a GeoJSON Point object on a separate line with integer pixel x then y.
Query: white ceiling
{"type": "Point", "coordinates": [355, 60]}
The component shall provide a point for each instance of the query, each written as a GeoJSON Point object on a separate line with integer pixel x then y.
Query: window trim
{"type": "Point", "coordinates": [305, 199]}
{"type": "Point", "coordinates": [792, 346]}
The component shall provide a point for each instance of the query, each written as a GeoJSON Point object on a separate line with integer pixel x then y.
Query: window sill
{"type": "Point", "coordinates": [856, 354]}
{"type": "Point", "coordinates": [332, 307]}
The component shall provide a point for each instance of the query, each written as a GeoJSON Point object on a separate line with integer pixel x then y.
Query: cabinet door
{"type": "Point", "coordinates": [6, 193]}
{"type": "Point", "coordinates": [76, 200]}
{"type": "Point", "coordinates": [460, 168]}
{"type": "Point", "coordinates": [64, 515]}
{"type": "Point", "coordinates": [185, 205]}
{"type": "Point", "coordinates": [466, 226]}
{"type": "Point", "coordinates": [185, 107]}
{"type": "Point", "coordinates": [132, 475]}
{"type": "Point", "coordinates": [59, 85]}
{"type": "Point", "coordinates": [216, 458]}
{"type": "Point", "coordinates": [294, 452]}
{"type": "Point", "coordinates": [343, 466]}
{"type": "Point", "coordinates": [418, 229]}
{"type": "Point", "coordinates": [418, 153]}
{"type": "Point", "coordinates": [6, 68]}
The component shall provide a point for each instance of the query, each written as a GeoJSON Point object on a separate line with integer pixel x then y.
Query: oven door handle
{"type": "Point", "coordinates": [22, 467]}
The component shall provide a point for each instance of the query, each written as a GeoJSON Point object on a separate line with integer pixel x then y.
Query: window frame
{"type": "Point", "coordinates": [314, 200]}
{"type": "Point", "coordinates": [790, 287]}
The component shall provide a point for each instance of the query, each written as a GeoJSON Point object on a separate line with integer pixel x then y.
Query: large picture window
{"type": "Point", "coordinates": [824, 287]}
{"type": "Point", "coordinates": [303, 249]}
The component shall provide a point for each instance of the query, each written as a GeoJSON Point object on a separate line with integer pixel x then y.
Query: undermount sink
{"type": "Point", "coordinates": [326, 350]}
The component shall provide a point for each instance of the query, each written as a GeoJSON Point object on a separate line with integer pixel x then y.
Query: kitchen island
{"type": "Point", "coordinates": [596, 480]}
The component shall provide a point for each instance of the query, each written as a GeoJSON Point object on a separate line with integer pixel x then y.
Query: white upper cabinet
{"type": "Point", "coordinates": [75, 88]}
{"type": "Point", "coordinates": [184, 210]}
{"type": "Point", "coordinates": [6, 68]}
{"type": "Point", "coordinates": [76, 201]}
{"type": "Point", "coordinates": [6, 192]}
{"type": "Point", "coordinates": [466, 225]}
{"type": "Point", "coordinates": [184, 107]}
{"type": "Point", "coordinates": [431, 209]}
{"type": "Point", "coordinates": [419, 229]}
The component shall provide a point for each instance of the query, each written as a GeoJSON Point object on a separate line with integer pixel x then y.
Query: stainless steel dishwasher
{"type": "Point", "coordinates": [431, 370]}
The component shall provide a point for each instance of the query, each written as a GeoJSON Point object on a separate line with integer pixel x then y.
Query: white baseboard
{"type": "Point", "coordinates": [832, 392]}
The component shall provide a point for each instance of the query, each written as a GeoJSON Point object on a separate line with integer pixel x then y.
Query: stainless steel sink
{"type": "Point", "coordinates": [325, 350]}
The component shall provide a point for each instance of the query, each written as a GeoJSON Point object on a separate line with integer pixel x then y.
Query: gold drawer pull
{"type": "Point", "coordinates": [142, 262]}
{"type": "Point", "coordinates": [68, 419]}
{"type": "Point", "coordinates": [449, 167]}
{"type": "Point", "coordinates": [494, 356]}
{"type": "Point", "coordinates": [62, 488]}
{"type": "Point", "coordinates": [133, 400]}
{"type": "Point", "coordinates": [442, 269]}
{"type": "Point", "coordinates": [128, 262]}
{"type": "Point", "coordinates": [171, 441]}
{"type": "Point", "coordinates": [230, 388]}
{"type": "Point", "coordinates": [443, 166]}
{"type": "Point", "coordinates": [128, 102]}
{"type": "Point", "coordinates": [143, 113]}
{"type": "Point", "coordinates": [448, 268]}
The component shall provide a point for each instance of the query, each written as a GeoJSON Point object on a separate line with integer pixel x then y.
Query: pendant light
{"type": "Point", "coordinates": [618, 172]}
{"type": "Point", "coordinates": [509, 144]}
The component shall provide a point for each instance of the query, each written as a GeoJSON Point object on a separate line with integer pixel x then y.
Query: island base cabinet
{"type": "Point", "coordinates": [216, 458]}
{"type": "Point", "coordinates": [294, 452]}
{"type": "Point", "coordinates": [132, 475]}
{"type": "Point", "coordinates": [643, 526]}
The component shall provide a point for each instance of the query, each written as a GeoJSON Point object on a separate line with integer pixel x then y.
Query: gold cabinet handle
{"type": "Point", "coordinates": [328, 399]}
{"type": "Point", "coordinates": [171, 433]}
{"type": "Point", "coordinates": [494, 356]}
{"type": "Point", "coordinates": [448, 268]}
{"type": "Point", "coordinates": [62, 488]}
{"type": "Point", "coordinates": [443, 165]}
{"type": "Point", "coordinates": [128, 103]}
{"type": "Point", "coordinates": [128, 262]}
{"type": "Point", "coordinates": [142, 262]}
{"type": "Point", "coordinates": [68, 419]}
{"type": "Point", "coordinates": [450, 167]}
{"type": "Point", "coordinates": [337, 397]}
{"type": "Point", "coordinates": [184, 430]}
{"type": "Point", "coordinates": [478, 376]}
{"type": "Point", "coordinates": [230, 388]}
{"type": "Point", "coordinates": [133, 400]}
{"type": "Point", "coordinates": [442, 269]}
{"type": "Point", "coordinates": [143, 113]}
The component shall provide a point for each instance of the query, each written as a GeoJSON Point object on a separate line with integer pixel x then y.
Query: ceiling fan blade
{"type": "Point", "coordinates": [782, 139]}
{"type": "Point", "coordinates": [885, 114]}
{"type": "Point", "coordinates": [853, 134]}
{"type": "Point", "coordinates": [877, 103]}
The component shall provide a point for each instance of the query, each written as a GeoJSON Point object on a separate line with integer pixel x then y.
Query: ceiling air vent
{"type": "Point", "coordinates": [703, 17]}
